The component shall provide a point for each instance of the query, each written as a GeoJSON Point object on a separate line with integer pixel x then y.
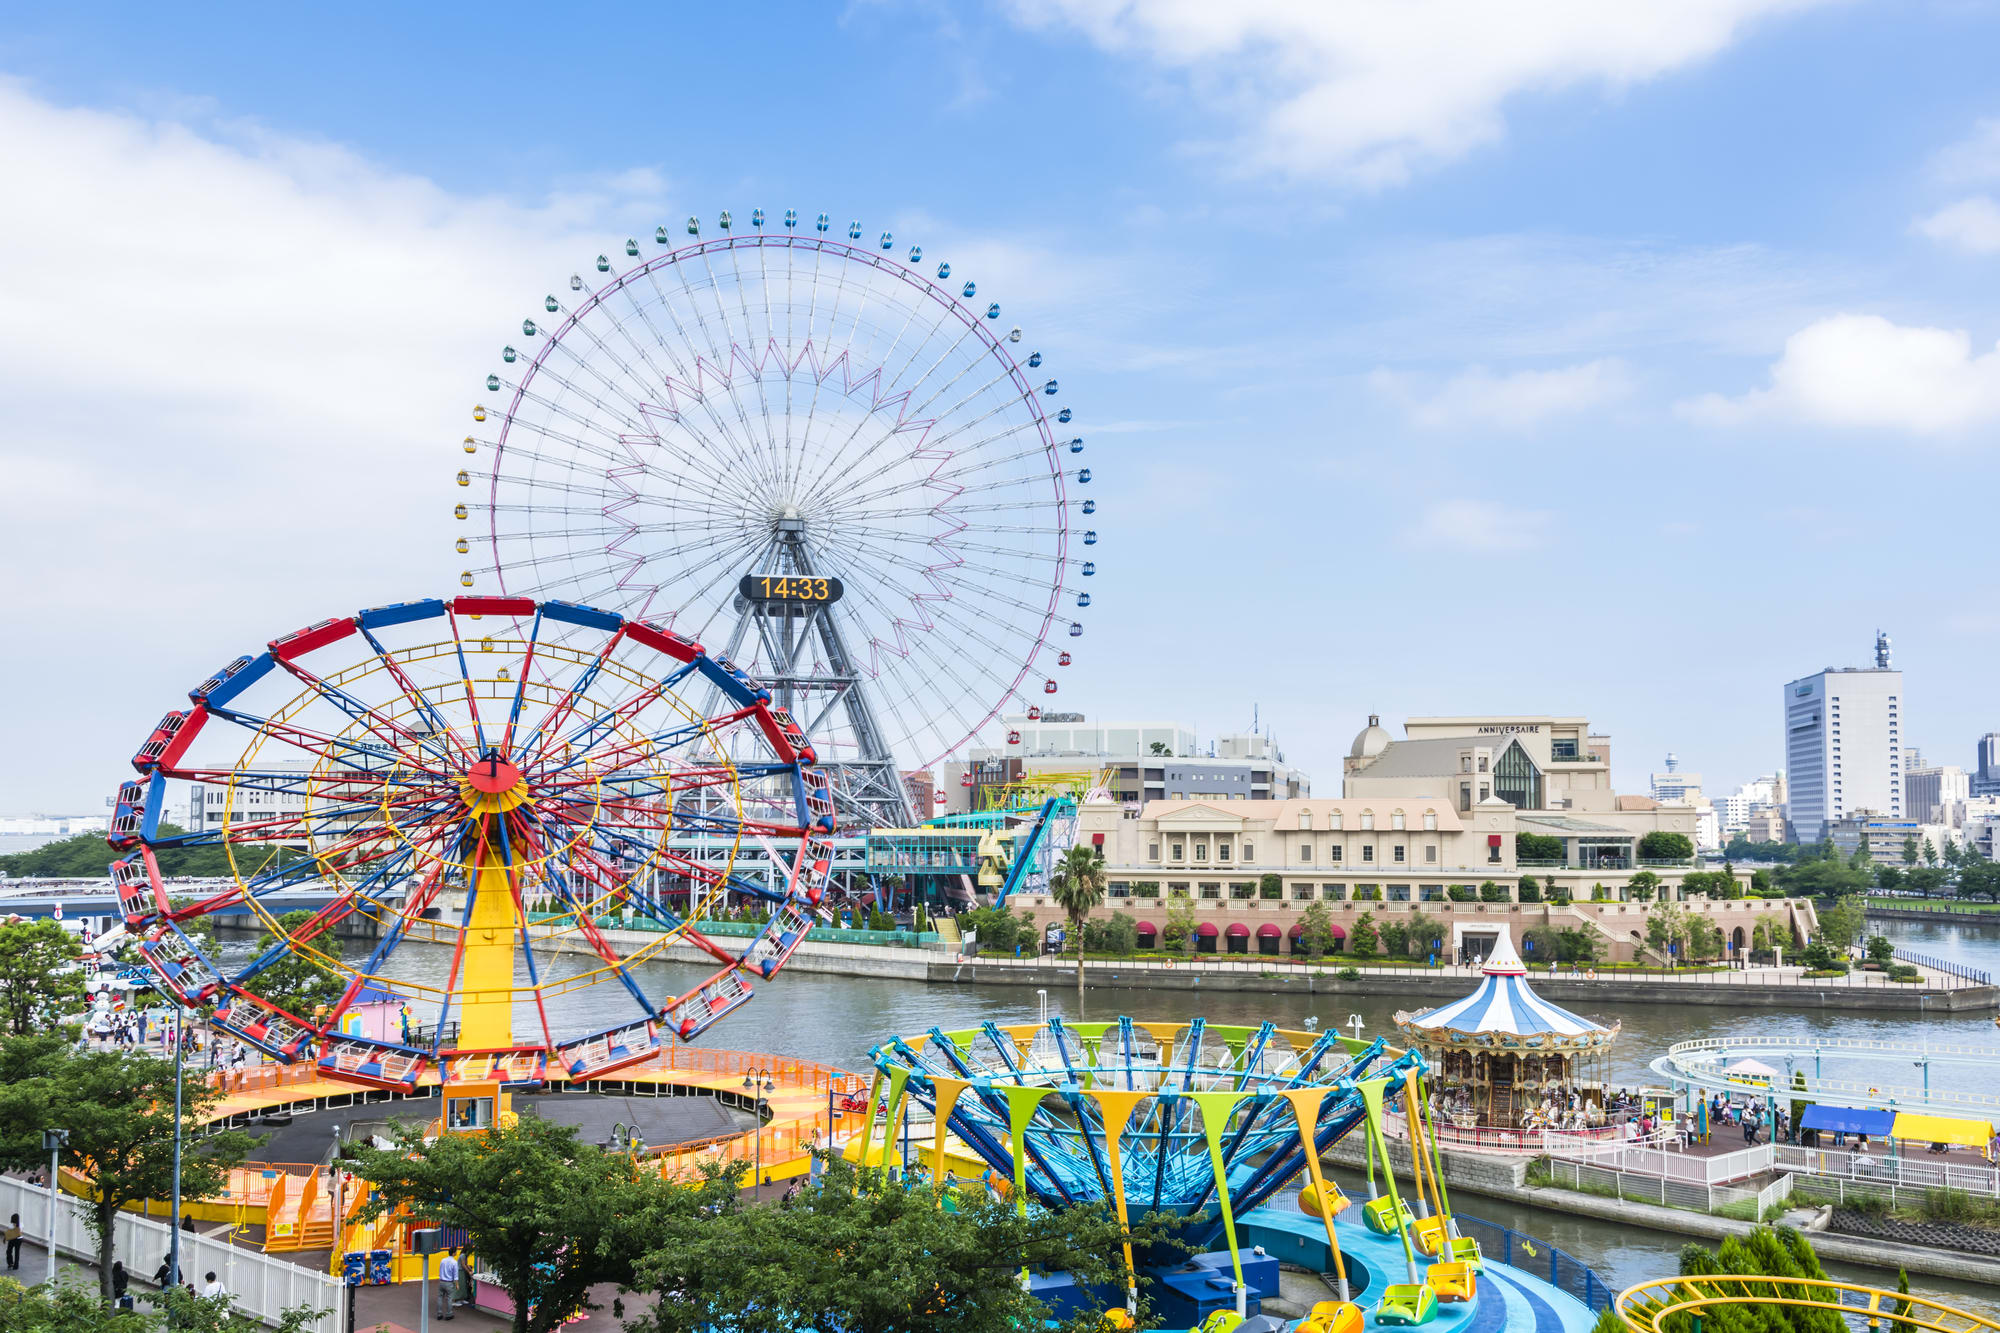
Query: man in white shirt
{"type": "Point", "coordinates": [447, 1284]}
{"type": "Point", "coordinates": [212, 1288]}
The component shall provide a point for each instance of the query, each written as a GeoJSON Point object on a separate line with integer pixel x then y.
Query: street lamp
{"type": "Point", "coordinates": [759, 1082]}
{"type": "Point", "coordinates": [53, 1140]}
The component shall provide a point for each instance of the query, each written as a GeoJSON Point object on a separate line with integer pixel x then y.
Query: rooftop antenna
{"type": "Point", "coordinates": [1881, 651]}
{"type": "Point", "coordinates": [1253, 719]}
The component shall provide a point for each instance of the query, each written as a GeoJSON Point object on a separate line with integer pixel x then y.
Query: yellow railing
{"type": "Point", "coordinates": [1647, 1306]}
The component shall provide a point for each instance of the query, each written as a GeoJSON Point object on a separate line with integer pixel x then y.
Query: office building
{"type": "Point", "coordinates": [1843, 744]}
{"type": "Point", "coordinates": [1930, 793]}
{"type": "Point", "coordinates": [1676, 786]}
{"type": "Point", "coordinates": [1986, 766]}
{"type": "Point", "coordinates": [1135, 762]}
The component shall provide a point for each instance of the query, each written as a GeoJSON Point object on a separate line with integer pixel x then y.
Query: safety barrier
{"type": "Point", "coordinates": [1519, 1250]}
{"type": "Point", "coordinates": [1971, 975]}
{"type": "Point", "coordinates": [259, 1287]}
{"type": "Point", "coordinates": [1889, 1169]}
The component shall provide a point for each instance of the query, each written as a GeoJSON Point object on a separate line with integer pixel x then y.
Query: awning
{"type": "Point", "coordinates": [1269, 931]}
{"type": "Point", "coordinates": [1915, 1128]}
{"type": "Point", "coordinates": [1206, 930]}
{"type": "Point", "coordinates": [1748, 1068]}
{"type": "Point", "coordinates": [1237, 930]}
{"type": "Point", "coordinates": [1299, 928]}
{"type": "Point", "coordinates": [1147, 928]}
{"type": "Point", "coordinates": [1848, 1120]}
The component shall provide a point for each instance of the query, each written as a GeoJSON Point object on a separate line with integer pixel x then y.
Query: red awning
{"type": "Point", "coordinates": [1298, 929]}
{"type": "Point", "coordinates": [1206, 930]}
{"type": "Point", "coordinates": [1269, 931]}
{"type": "Point", "coordinates": [1147, 928]}
{"type": "Point", "coordinates": [1237, 930]}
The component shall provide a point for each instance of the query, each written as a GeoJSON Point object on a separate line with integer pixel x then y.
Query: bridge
{"type": "Point", "coordinates": [1824, 1071]}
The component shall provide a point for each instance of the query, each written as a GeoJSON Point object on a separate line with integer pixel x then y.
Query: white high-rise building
{"type": "Point", "coordinates": [1676, 786]}
{"type": "Point", "coordinates": [1843, 744]}
{"type": "Point", "coordinates": [1930, 793]}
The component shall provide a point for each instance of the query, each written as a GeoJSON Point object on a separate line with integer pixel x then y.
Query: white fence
{"type": "Point", "coordinates": [1667, 1163]}
{"type": "Point", "coordinates": [1900, 1170]}
{"type": "Point", "coordinates": [261, 1287]}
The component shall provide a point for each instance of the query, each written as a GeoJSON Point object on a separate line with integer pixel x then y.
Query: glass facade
{"type": "Point", "coordinates": [1516, 780]}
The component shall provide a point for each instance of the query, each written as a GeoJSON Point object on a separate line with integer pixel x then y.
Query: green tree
{"type": "Point", "coordinates": [1660, 845]}
{"type": "Point", "coordinates": [1177, 932]}
{"type": "Point", "coordinates": [1668, 929]}
{"type": "Point", "coordinates": [1362, 940]}
{"type": "Point", "coordinates": [1861, 856]}
{"type": "Point", "coordinates": [1160, 748]}
{"type": "Point", "coordinates": [1980, 879]}
{"type": "Point", "coordinates": [1888, 878]}
{"type": "Point", "coordinates": [1819, 878]}
{"type": "Point", "coordinates": [1642, 886]}
{"type": "Point", "coordinates": [997, 930]}
{"type": "Point", "coordinates": [1427, 934]}
{"type": "Point", "coordinates": [1528, 890]}
{"type": "Point", "coordinates": [35, 991]}
{"type": "Point", "coordinates": [1491, 892]}
{"type": "Point", "coordinates": [1910, 850]}
{"type": "Point", "coordinates": [297, 981]}
{"type": "Point", "coordinates": [550, 1215]}
{"type": "Point", "coordinates": [1077, 885]}
{"type": "Point", "coordinates": [1929, 853]}
{"type": "Point", "coordinates": [1537, 847]}
{"type": "Point", "coordinates": [1395, 939]}
{"type": "Point", "coordinates": [118, 1109]}
{"type": "Point", "coordinates": [1770, 931]}
{"type": "Point", "coordinates": [1841, 924]}
{"type": "Point", "coordinates": [85, 856]}
{"type": "Point", "coordinates": [1954, 854]}
{"type": "Point", "coordinates": [865, 1259]}
{"type": "Point", "coordinates": [1316, 931]}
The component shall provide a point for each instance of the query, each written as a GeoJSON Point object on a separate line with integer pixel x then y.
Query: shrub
{"type": "Point", "coordinates": [1427, 934]}
{"type": "Point", "coordinates": [1662, 846]}
{"type": "Point", "coordinates": [1269, 887]}
{"type": "Point", "coordinates": [997, 929]}
{"type": "Point", "coordinates": [1904, 972]}
{"type": "Point", "coordinates": [1395, 939]}
{"type": "Point", "coordinates": [1146, 888]}
{"type": "Point", "coordinates": [1350, 974]}
{"type": "Point", "coordinates": [1462, 893]}
{"type": "Point", "coordinates": [1492, 893]}
{"type": "Point", "coordinates": [1598, 893]}
{"type": "Point", "coordinates": [1537, 847]}
{"type": "Point", "coordinates": [1881, 950]}
{"type": "Point", "coordinates": [1530, 891]}
{"type": "Point", "coordinates": [1367, 893]}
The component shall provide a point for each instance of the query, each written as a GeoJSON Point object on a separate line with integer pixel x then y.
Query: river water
{"type": "Point", "coordinates": [837, 1020]}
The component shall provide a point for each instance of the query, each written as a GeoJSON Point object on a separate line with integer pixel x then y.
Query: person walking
{"type": "Point", "coordinates": [447, 1286]}
{"type": "Point", "coordinates": [211, 1287]}
{"type": "Point", "coordinates": [14, 1241]}
{"type": "Point", "coordinates": [120, 1281]}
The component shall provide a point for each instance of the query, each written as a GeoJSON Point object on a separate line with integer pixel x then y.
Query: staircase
{"type": "Point", "coordinates": [947, 929]}
{"type": "Point", "coordinates": [297, 1215]}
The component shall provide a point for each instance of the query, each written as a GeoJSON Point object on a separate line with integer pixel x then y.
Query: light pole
{"type": "Point", "coordinates": [53, 1140]}
{"type": "Point", "coordinates": [174, 1217]}
{"type": "Point", "coordinates": [759, 1081]}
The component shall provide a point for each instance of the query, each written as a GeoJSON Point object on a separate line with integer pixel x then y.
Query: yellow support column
{"type": "Point", "coordinates": [493, 926]}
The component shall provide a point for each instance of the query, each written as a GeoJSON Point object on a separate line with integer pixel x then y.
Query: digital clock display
{"type": "Point", "coordinates": [789, 589]}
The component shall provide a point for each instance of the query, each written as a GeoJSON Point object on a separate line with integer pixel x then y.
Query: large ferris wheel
{"type": "Point", "coordinates": [829, 458]}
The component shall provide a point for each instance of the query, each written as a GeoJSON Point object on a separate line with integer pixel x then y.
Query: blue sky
{"type": "Point", "coordinates": [1618, 360]}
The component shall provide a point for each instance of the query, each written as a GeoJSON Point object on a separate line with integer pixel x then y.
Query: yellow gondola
{"type": "Point", "coordinates": [1406, 1303]}
{"type": "Point", "coordinates": [1332, 1317]}
{"type": "Point", "coordinates": [1452, 1282]}
{"type": "Point", "coordinates": [1385, 1216]}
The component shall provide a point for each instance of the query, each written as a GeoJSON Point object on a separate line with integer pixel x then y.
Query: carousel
{"type": "Point", "coordinates": [1504, 1056]}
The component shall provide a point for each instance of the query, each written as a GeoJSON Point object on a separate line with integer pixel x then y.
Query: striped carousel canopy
{"type": "Point", "coordinates": [1504, 1011]}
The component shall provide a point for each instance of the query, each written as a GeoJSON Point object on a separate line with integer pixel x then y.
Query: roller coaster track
{"type": "Point", "coordinates": [1704, 1064]}
{"type": "Point", "coordinates": [1647, 1306]}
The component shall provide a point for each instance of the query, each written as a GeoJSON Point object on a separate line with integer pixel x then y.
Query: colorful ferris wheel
{"type": "Point", "coordinates": [484, 787]}
{"type": "Point", "coordinates": [829, 454]}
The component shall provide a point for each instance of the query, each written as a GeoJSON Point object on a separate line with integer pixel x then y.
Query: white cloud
{"type": "Point", "coordinates": [1478, 397]}
{"type": "Point", "coordinates": [1478, 526]}
{"type": "Point", "coordinates": [1972, 225]}
{"type": "Point", "coordinates": [1862, 371]}
{"type": "Point", "coordinates": [1367, 92]}
{"type": "Point", "coordinates": [235, 367]}
{"type": "Point", "coordinates": [1973, 160]}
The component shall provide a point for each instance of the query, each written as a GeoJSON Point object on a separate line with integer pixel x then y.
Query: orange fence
{"type": "Point", "coordinates": [786, 1071]}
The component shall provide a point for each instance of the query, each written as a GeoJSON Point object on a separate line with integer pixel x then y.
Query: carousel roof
{"type": "Point", "coordinates": [1504, 1006]}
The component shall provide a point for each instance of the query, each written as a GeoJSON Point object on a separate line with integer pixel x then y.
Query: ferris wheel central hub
{"type": "Point", "coordinates": [493, 785]}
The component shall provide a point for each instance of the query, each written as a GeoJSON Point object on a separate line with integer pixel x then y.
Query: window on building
{"type": "Point", "coordinates": [1222, 851]}
{"type": "Point", "coordinates": [1399, 893]}
{"type": "Point", "coordinates": [1493, 852]}
{"type": "Point", "coordinates": [1178, 851]}
{"type": "Point", "coordinates": [1367, 819]}
{"type": "Point", "coordinates": [1211, 890]}
{"type": "Point", "coordinates": [1302, 893]}
{"type": "Point", "coordinates": [1484, 791]}
{"type": "Point", "coordinates": [1201, 851]}
{"type": "Point", "coordinates": [1399, 853]}
{"type": "Point", "coordinates": [1482, 763]}
{"type": "Point", "coordinates": [1431, 893]}
{"type": "Point", "coordinates": [1396, 820]}
{"type": "Point", "coordinates": [1464, 797]}
{"type": "Point", "coordinates": [1334, 892]}
{"type": "Point", "coordinates": [1152, 851]}
{"type": "Point", "coordinates": [1305, 819]}
{"type": "Point", "coordinates": [1179, 890]}
{"type": "Point", "coordinates": [1119, 888]}
{"type": "Point", "coordinates": [1333, 821]}
{"type": "Point", "coordinates": [1431, 855]}
{"type": "Point", "coordinates": [1465, 763]}
{"type": "Point", "coordinates": [1516, 779]}
{"type": "Point", "coordinates": [1333, 854]}
{"type": "Point", "coordinates": [1305, 853]}
{"type": "Point", "coordinates": [1368, 852]}
{"type": "Point", "coordinates": [1249, 851]}
{"type": "Point", "coordinates": [1430, 819]}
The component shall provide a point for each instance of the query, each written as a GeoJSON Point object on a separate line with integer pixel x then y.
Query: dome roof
{"type": "Point", "coordinates": [1374, 739]}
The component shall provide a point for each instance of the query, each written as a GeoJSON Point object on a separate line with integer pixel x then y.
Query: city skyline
{"type": "Point", "coordinates": [1598, 313]}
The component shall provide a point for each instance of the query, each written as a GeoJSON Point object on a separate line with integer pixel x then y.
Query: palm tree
{"type": "Point", "coordinates": [1077, 885]}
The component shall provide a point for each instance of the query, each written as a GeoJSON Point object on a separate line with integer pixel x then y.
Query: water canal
{"type": "Point", "coordinates": [837, 1019]}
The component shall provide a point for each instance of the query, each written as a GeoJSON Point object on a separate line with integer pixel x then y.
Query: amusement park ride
{"type": "Point", "coordinates": [829, 454]}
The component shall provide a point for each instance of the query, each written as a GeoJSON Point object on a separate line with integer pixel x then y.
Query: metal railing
{"type": "Point", "coordinates": [1894, 1170]}
{"type": "Point", "coordinates": [1970, 974]}
{"type": "Point", "coordinates": [1530, 1254]}
{"type": "Point", "coordinates": [259, 1287]}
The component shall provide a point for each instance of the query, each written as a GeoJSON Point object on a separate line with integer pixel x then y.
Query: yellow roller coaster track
{"type": "Point", "coordinates": [1647, 1306]}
